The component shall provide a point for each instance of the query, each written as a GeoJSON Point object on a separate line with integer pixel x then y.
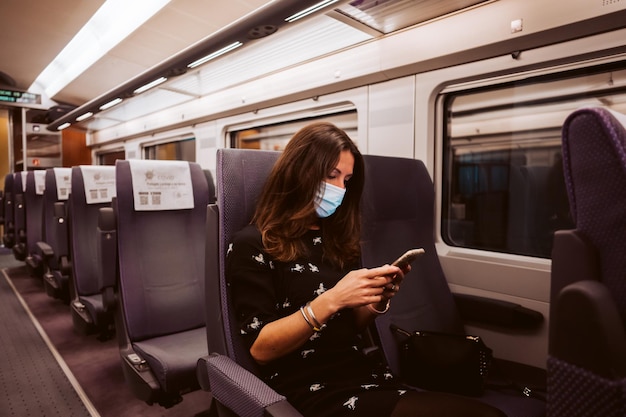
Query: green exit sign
{"type": "Point", "coordinates": [18, 97]}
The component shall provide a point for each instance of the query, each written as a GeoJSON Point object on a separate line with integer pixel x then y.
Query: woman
{"type": "Point", "coordinates": [300, 297]}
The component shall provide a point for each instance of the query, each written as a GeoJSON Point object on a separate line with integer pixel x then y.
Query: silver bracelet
{"type": "Point", "coordinates": [306, 318]}
{"type": "Point", "coordinates": [318, 327]}
{"type": "Point", "coordinates": [373, 309]}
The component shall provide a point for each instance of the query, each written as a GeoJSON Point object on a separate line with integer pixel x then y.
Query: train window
{"type": "Point", "coordinates": [182, 150]}
{"type": "Point", "coordinates": [274, 137]}
{"type": "Point", "coordinates": [109, 158]}
{"type": "Point", "coordinates": [503, 187]}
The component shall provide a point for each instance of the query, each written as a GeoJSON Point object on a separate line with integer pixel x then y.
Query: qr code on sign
{"type": "Point", "coordinates": [156, 199]}
{"type": "Point", "coordinates": [143, 199]}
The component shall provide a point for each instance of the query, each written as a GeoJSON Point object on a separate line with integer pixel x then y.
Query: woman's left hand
{"type": "Point", "coordinates": [394, 286]}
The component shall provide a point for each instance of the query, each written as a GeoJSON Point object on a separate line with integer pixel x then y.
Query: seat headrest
{"type": "Point", "coordinates": [24, 176]}
{"type": "Point", "coordinates": [63, 180]}
{"type": "Point", "coordinates": [40, 181]}
{"type": "Point", "coordinates": [161, 185]}
{"type": "Point", "coordinates": [99, 182]}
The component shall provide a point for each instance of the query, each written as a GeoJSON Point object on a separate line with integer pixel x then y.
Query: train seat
{"type": "Point", "coordinates": [240, 176]}
{"type": "Point", "coordinates": [587, 341]}
{"type": "Point", "coordinates": [160, 215]}
{"type": "Point", "coordinates": [229, 372]}
{"type": "Point", "coordinates": [54, 248]}
{"type": "Point", "coordinates": [8, 236]}
{"type": "Point", "coordinates": [19, 215]}
{"type": "Point", "coordinates": [93, 187]}
{"type": "Point", "coordinates": [399, 215]}
{"type": "Point", "coordinates": [33, 195]}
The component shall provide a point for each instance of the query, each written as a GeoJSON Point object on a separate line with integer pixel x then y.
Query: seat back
{"type": "Point", "coordinates": [8, 237]}
{"type": "Point", "coordinates": [19, 215]}
{"type": "Point", "coordinates": [399, 215]}
{"type": "Point", "coordinates": [57, 191]}
{"type": "Point", "coordinates": [161, 247]}
{"type": "Point", "coordinates": [594, 159]}
{"type": "Point", "coordinates": [240, 176]}
{"type": "Point", "coordinates": [33, 195]}
{"type": "Point", "coordinates": [588, 284]}
{"type": "Point", "coordinates": [93, 187]}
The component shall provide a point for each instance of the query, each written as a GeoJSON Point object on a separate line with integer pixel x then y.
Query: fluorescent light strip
{"type": "Point", "coordinates": [84, 116]}
{"type": "Point", "coordinates": [111, 104]}
{"type": "Point", "coordinates": [64, 126]}
{"type": "Point", "coordinates": [215, 54]}
{"type": "Point", "coordinates": [111, 24]}
{"type": "Point", "coordinates": [308, 11]}
{"type": "Point", "coordinates": [150, 85]}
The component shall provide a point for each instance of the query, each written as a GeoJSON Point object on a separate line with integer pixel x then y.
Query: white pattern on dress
{"type": "Point", "coordinates": [316, 387]}
{"type": "Point", "coordinates": [317, 240]}
{"type": "Point", "coordinates": [256, 323]}
{"type": "Point", "coordinates": [230, 249]}
{"type": "Point", "coordinates": [259, 258]}
{"type": "Point", "coordinates": [313, 268]}
{"type": "Point", "coordinates": [351, 403]}
{"type": "Point", "coordinates": [298, 268]}
{"type": "Point", "coordinates": [320, 290]}
{"type": "Point", "coordinates": [306, 352]}
{"type": "Point", "coordinates": [369, 386]}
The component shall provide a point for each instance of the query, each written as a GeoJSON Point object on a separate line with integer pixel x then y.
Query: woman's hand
{"type": "Point", "coordinates": [361, 287]}
{"type": "Point", "coordinates": [394, 286]}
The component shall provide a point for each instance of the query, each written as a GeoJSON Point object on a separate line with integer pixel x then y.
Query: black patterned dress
{"type": "Point", "coordinates": [328, 375]}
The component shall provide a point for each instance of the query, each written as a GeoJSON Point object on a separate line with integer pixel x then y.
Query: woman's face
{"type": "Point", "coordinates": [342, 173]}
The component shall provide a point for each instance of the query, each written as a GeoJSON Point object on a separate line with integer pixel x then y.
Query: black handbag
{"type": "Point", "coordinates": [454, 363]}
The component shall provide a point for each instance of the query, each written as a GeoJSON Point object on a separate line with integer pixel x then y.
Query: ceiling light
{"type": "Point", "coordinates": [309, 10]}
{"type": "Point", "coordinates": [111, 24]}
{"type": "Point", "coordinates": [150, 85]}
{"type": "Point", "coordinates": [215, 54]}
{"type": "Point", "coordinates": [64, 125]}
{"type": "Point", "coordinates": [111, 104]}
{"type": "Point", "coordinates": [84, 116]}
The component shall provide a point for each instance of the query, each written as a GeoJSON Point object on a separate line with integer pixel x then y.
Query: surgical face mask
{"type": "Point", "coordinates": [328, 199]}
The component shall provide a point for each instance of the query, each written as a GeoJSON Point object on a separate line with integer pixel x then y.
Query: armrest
{"type": "Point", "coordinates": [240, 390]}
{"type": "Point", "coordinates": [496, 312]}
{"type": "Point", "coordinates": [44, 250]}
{"type": "Point", "coordinates": [107, 249]}
{"type": "Point", "coordinates": [586, 329]}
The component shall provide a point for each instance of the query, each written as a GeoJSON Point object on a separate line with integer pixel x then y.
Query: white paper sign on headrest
{"type": "Point", "coordinates": [24, 175]}
{"type": "Point", "coordinates": [40, 181]}
{"type": "Point", "coordinates": [161, 185]}
{"type": "Point", "coordinates": [99, 181]}
{"type": "Point", "coordinates": [63, 177]}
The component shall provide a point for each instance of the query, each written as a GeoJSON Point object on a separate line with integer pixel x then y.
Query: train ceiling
{"type": "Point", "coordinates": [35, 31]}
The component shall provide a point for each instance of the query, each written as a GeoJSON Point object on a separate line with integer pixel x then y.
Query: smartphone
{"type": "Point", "coordinates": [409, 256]}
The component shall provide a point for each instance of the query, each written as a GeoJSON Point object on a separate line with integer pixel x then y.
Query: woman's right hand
{"type": "Point", "coordinates": [360, 287]}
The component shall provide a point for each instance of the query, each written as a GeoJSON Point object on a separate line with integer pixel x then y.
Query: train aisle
{"type": "Point", "coordinates": [31, 376]}
{"type": "Point", "coordinates": [34, 382]}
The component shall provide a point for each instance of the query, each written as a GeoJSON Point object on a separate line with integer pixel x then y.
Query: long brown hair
{"type": "Point", "coordinates": [285, 210]}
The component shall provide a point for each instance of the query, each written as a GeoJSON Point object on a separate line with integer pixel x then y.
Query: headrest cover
{"type": "Point", "coordinates": [99, 181]}
{"type": "Point", "coordinates": [63, 177]}
{"type": "Point", "coordinates": [24, 175]}
{"type": "Point", "coordinates": [40, 181]}
{"type": "Point", "coordinates": [161, 185]}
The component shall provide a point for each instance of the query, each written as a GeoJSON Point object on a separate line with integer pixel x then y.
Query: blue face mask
{"type": "Point", "coordinates": [328, 199]}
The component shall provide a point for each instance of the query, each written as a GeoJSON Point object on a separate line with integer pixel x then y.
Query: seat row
{"type": "Point", "coordinates": [153, 247]}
